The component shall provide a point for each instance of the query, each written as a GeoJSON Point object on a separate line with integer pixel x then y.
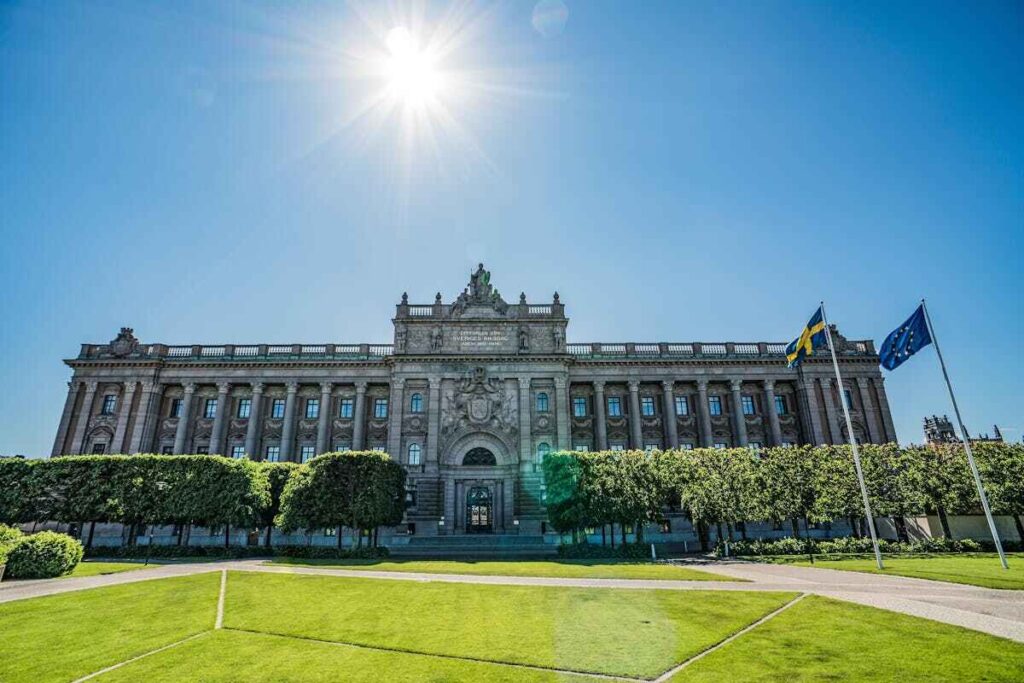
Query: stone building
{"type": "Point", "coordinates": [470, 396]}
{"type": "Point", "coordinates": [940, 430]}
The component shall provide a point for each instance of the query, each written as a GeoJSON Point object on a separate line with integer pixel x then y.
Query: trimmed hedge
{"type": "Point", "coordinates": [235, 552]}
{"type": "Point", "coordinates": [854, 546]}
{"type": "Point", "coordinates": [585, 551]}
{"type": "Point", "coordinates": [44, 556]}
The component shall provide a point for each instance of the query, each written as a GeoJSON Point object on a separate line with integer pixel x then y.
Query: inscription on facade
{"type": "Point", "coordinates": [482, 339]}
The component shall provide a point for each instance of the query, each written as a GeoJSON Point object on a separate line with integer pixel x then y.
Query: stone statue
{"type": "Point", "coordinates": [125, 343]}
{"type": "Point", "coordinates": [436, 339]}
{"type": "Point", "coordinates": [559, 338]}
{"type": "Point", "coordinates": [400, 341]}
{"type": "Point", "coordinates": [524, 339]}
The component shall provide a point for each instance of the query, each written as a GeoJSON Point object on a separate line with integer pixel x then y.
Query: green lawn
{"type": "Point", "coordinates": [95, 568]}
{"type": "Point", "coordinates": [612, 631]}
{"type": "Point", "coordinates": [61, 637]}
{"type": "Point", "coordinates": [826, 640]}
{"type": "Point", "coordinates": [572, 569]}
{"type": "Point", "coordinates": [977, 569]}
{"type": "Point", "coordinates": [231, 656]}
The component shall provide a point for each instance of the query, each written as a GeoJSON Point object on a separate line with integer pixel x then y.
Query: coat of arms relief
{"type": "Point", "coordinates": [479, 403]}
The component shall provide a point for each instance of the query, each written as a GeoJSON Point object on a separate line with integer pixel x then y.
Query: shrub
{"type": "Point", "coordinates": [321, 552]}
{"type": "Point", "coordinates": [9, 535]}
{"type": "Point", "coordinates": [236, 552]}
{"type": "Point", "coordinates": [583, 551]}
{"type": "Point", "coordinates": [44, 556]}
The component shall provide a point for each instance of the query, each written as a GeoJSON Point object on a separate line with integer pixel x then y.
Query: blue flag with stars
{"type": "Point", "coordinates": [905, 340]}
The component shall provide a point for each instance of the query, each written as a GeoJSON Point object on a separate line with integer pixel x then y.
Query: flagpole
{"type": "Point", "coordinates": [967, 442]}
{"type": "Point", "coordinates": [853, 443]}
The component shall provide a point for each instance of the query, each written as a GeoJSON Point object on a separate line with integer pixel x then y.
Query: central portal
{"type": "Point", "coordinates": [479, 511]}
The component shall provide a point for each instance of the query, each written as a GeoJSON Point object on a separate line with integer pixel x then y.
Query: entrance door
{"type": "Point", "coordinates": [479, 511]}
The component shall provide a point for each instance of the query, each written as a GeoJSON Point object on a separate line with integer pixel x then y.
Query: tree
{"type": "Point", "coordinates": [894, 479]}
{"type": "Point", "coordinates": [564, 493]}
{"type": "Point", "coordinates": [785, 480]}
{"type": "Point", "coordinates": [278, 474]}
{"type": "Point", "coordinates": [836, 490]}
{"type": "Point", "coordinates": [1002, 472]}
{"type": "Point", "coordinates": [77, 489]}
{"type": "Point", "coordinates": [946, 482]}
{"type": "Point", "coordinates": [18, 496]}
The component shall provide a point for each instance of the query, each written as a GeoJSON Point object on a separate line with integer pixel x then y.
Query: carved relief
{"type": "Point", "coordinates": [479, 403]}
{"type": "Point", "coordinates": [125, 343]}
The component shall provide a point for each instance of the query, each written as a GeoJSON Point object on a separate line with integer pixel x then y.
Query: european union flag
{"type": "Point", "coordinates": [905, 340]}
{"type": "Point", "coordinates": [813, 337]}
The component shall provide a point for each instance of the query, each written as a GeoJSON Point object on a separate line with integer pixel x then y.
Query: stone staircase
{"type": "Point", "coordinates": [475, 546]}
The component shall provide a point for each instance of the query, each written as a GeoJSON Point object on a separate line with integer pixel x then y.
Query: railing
{"type": "Point", "coordinates": [178, 351]}
{"type": "Point", "coordinates": [421, 311]}
{"type": "Point", "coordinates": [697, 350]}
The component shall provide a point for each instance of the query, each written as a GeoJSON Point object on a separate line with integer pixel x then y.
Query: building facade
{"type": "Point", "coordinates": [939, 430]}
{"type": "Point", "coordinates": [469, 397]}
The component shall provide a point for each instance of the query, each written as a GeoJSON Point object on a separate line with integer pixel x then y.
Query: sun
{"type": "Point", "coordinates": [412, 74]}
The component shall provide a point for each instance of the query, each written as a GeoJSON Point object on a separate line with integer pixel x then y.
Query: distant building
{"type": "Point", "coordinates": [940, 430]}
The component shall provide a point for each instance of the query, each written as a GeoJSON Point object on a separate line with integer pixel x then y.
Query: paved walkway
{"type": "Point", "coordinates": [998, 612]}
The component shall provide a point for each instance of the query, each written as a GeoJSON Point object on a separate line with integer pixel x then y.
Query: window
{"type": "Point", "coordinates": [543, 449]}
{"type": "Point", "coordinates": [780, 406]}
{"type": "Point", "coordinates": [748, 405]}
{"type": "Point", "coordinates": [277, 408]}
{"type": "Point", "coordinates": [715, 405]}
{"type": "Point", "coordinates": [579, 406]}
{"type": "Point", "coordinates": [308, 452]}
{"type": "Point", "coordinates": [202, 450]}
{"type": "Point", "coordinates": [312, 408]}
{"type": "Point", "coordinates": [648, 447]}
{"type": "Point", "coordinates": [614, 406]}
{"type": "Point", "coordinates": [341, 447]}
{"type": "Point", "coordinates": [379, 449]}
{"type": "Point", "coordinates": [273, 453]}
{"type": "Point", "coordinates": [755, 445]}
{"type": "Point", "coordinates": [167, 450]}
{"type": "Point", "coordinates": [542, 402]}
{"type": "Point", "coordinates": [210, 408]}
{"type": "Point", "coordinates": [647, 406]}
{"type": "Point", "coordinates": [720, 445]}
{"type": "Point", "coordinates": [330, 531]}
{"type": "Point", "coordinates": [380, 407]}
{"type": "Point", "coordinates": [682, 406]}
{"type": "Point", "coordinates": [414, 454]}
{"type": "Point", "coordinates": [244, 407]}
{"type": "Point", "coordinates": [617, 447]}
{"type": "Point", "coordinates": [345, 408]}
{"type": "Point", "coordinates": [686, 446]}
{"type": "Point", "coordinates": [416, 403]}
{"type": "Point", "coordinates": [109, 404]}
{"type": "Point", "coordinates": [175, 408]}
{"type": "Point", "coordinates": [848, 397]}
{"type": "Point", "coordinates": [238, 452]}
{"type": "Point", "coordinates": [582, 447]}
{"type": "Point", "coordinates": [98, 448]}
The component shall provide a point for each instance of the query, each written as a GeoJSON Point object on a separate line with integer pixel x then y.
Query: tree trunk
{"type": "Point", "coordinates": [944, 521]}
{"type": "Point", "coordinates": [743, 530]}
{"type": "Point", "coordinates": [604, 539]}
{"type": "Point", "coordinates": [901, 528]}
{"type": "Point", "coordinates": [188, 534]}
{"type": "Point", "coordinates": [613, 535]}
{"type": "Point", "coordinates": [227, 535]}
{"type": "Point", "coordinates": [92, 530]}
{"type": "Point", "coordinates": [639, 532]}
{"type": "Point", "coordinates": [702, 536]}
{"type": "Point", "coordinates": [854, 526]}
{"type": "Point", "coordinates": [718, 531]}
{"type": "Point", "coordinates": [795, 523]}
{"type": "Point", "coordinates": [340, 539]}
{"type": "Point", "coordinates": [622, 527]}
{"type": "Point", "coordinates": [1020, 527]}
{"type": "Point", "coordinates": [729, 528]}
{"type": "Point", "coordinates": [266, 539]}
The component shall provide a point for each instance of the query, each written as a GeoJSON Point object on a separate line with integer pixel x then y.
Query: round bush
{"type": "Point", "coordinates": [9, 535]}
{"type": "Point", "coordinates": [44, 556]}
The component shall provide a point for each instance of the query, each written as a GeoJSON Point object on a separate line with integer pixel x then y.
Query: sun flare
{"type": "Point", "coordinates": [413, 77]}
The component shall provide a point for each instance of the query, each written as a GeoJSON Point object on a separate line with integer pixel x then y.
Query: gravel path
{"type": "Point", "coordinates": [998, 612]}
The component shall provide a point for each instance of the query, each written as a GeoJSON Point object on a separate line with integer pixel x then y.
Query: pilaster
{"type": "Point", "coordinates": [831, 412]}
{"type": "Point", "coordinates": [870, 417]}
{"type": "Point", "coordinates": [668, 413]}
{"type": "Point", "coordinates": [288, 428]}
{"type": "Point", "coordinates": [254, 426]}
{"type": "Point", "coordinates": [323, 425]}
{"type": "Point", "coordinates": [396, 408]}
{"type": "Point", "coordinates": [773, 415]}
{"type": "Point", "coordinates": [562, 420]}
{"type": "Point", "coordinates": [635, 432]}
{"type": "Point", "coordinates": [65, 419]}
{"type": "Point", "coordinates": [739, 420]}
{"type": "Point", "coordinates": [359, 418]}
{"type": "Point", "coordinates": [703, 412]}
{"type": "Point", "coordinates": [181, 432]}
{"type": "Point", "coordinates": [600, 417]}
{"type": "Point", "coordinates": [123, 412]}
{"type": "Point", "coordinates": [84, 416]}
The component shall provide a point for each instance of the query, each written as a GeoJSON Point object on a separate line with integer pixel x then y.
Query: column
{"type": "Point", "coordinates": [323, 427]}
{"type": "Point", "coordinates": [669, 413]}
{"type": "Point", "coordinates": [142, 440]}
{"type": "Point", "coordinates": [635, 432]}
{"type": "Point", "coordinates": [812, 418]}
{"type": "Point", "coordinates": [871, 419]}
{"type": "Point", "coordinates": [526, 453]}
{"type": "Point", "coordinates": [359, 417]}
{"type": "Point", "coordinates": [738, 419]}
{"type": "Point", "coordinates": [433, 420]}
{"type": "Point", "coordinates": [186, 414]}
{"type": "Point", "coordinates": [883, 408]}
{"type": "Point", "coordinates": [65, 420]}
{"type": "Point", "coordinates": [773, 414]}
{"type": "Point", "coordinates": [252, 429]}
{"type": "Point", "coordinates": [84, 415]}
{"type": "Point", "coordinates": [831, 413]}
{"type": "Point", "coordinates": [396, 407]}
{"type": "Point", "coordinates": [288, 428]}
{"type": "Point", "coordinates": [562, 412]}
{"type": "Point", "coordinates": [216, 434]}
{"type": "Point", "coordinates": [600, 421]}
{"type": "Point", "coordinates": [706, 437]}
{"type": "Point", "coordinates": [124, 409]}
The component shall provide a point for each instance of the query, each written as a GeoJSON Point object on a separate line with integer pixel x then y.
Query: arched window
{"type": "Point", "coordinates": [542, 451]}
{"type": "Point", "coordinates": [479, 457]}
{"type": "Point", "coordinates": [542, 402]}
{"type": "Point", "coordinates": [416, 403]}
{"type": "Point", "coordinates": [414, 454]}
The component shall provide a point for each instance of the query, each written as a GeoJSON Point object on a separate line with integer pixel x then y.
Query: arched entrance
{"type": "Point", "coordinates": [479, 510]}
{"type": "Point", "coordinates": [479, 472]}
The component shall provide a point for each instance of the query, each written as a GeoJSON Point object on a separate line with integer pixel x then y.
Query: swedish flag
{"type": "Point", "coordinates": [812, 337]}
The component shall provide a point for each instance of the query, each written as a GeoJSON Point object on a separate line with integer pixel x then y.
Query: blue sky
{"type": "Point", "coordinates": [676, 171]}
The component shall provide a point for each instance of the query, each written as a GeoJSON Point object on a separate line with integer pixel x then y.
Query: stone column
{"type": "Point", "coordinates": [704, 414]}
{"type": "Point", "coordinates": [217, 433]}
{"type": "Point", "coordinates": [669, 413]}
{"type": "Point", "coordinates": [65, 419]}
{"type": "Point", "coordinates": [433, 420]}
{"type": "Point", "coordinates": [883, 408]}
{"type": "Point", "coordinates": [396, 407]}
{"type": "Point", "coordinates": [812, 418]}
{"type": "Point", "coordinates": [323, 427]}
{"type": "Point", "coordinates": [526, 453]}
{"type": "Point", "coordinates": [600, 421]}
{"type": "Point", "coordinates": [186, 414]}
{"type": "Point", "coordinates": [562, 420]}
{"type": "Point", "coordinates": [870, 417]}
{"type": "Point", "coordinates": [84, 415]}
{"type": "Point", "coordinates": [252, 429]}
{"type": "Point", "coordinates": [635, 432]}
{"type": "Point", "coordinates": [145, 429]}
{"type": "Point", "coordinates": [288, 428]}
{"type": "Point", "coordinates": [831, 413]}
{"type": "Point", "coordinates": [359, 418]}
{"type": "Point", "coordinates": [773, 414]}
{"type": "Point", "coordinates": [123, 411]}
{"type": "Point", "coordinates": [738, 419]}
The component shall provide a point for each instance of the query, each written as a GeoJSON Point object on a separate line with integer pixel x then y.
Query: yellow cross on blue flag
{"type": "Point", "coordinates": [812, 337]}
